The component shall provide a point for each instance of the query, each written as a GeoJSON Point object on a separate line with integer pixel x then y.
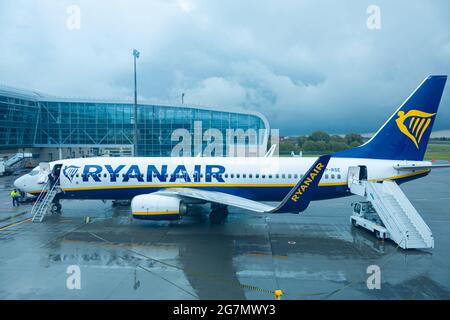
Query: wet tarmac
{"type": "Point", "coordinates": [316, 255]}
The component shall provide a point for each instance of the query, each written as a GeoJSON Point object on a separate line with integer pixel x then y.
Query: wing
{"type": "Point", "coordinates": [296, 201]}
{"type": "Point", "coordinates": [217, 197]}
{"type": "Point", "coordinates": [430, 167]}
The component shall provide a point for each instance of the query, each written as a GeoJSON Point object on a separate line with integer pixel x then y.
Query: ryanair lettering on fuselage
{"type": "Point", "coordinates": [151, 173]}
{"type": "Point", "coordinates": [307, 181]}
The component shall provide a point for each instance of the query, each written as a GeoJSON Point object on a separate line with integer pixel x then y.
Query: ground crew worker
{"type": "Point", "coordinates": [15, 197]}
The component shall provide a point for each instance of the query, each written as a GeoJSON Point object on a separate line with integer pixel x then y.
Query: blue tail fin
{"type": "Point", "coordinates": [405, 135]}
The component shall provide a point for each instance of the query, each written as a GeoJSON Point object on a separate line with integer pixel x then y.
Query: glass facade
{"type": "Point", "coordinates": [28, 119]}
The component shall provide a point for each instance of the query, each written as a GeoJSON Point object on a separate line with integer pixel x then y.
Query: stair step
{"type": "Point", "coordinates": [404, 224]}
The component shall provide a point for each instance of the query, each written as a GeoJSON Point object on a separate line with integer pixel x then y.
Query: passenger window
{"type": "Point", "coordinates": [332, 176]}
{"type": "Point", "coordinates": [289, 176]}
{"type": "Point", "coordinates": [339, 176]}
{"type": "Point", "coordinates": [232, 175]}
{"type": "Point", "coordinates": [250, 176]}
{"type": "Point", "coordinates": [295, 176]}
{"type": "Point", "coordinates": [270, 176]}
{"type": "Point", "coordinates": [283, 176]}
{"type": "Point", "coordinates": [244, 176]}
{"type": "Point", "coordinates": [257, 176]}
{"type": "Point", "coordinates": [226, 175]}
{"type": "Point", "coordinates": [277, 176]}
{"type": "Point", "coordinates": [263, 176]}
{"type": "Point", "coordinates": [238, 176]}
{"type": "Point", "coordinates": [326, 176]}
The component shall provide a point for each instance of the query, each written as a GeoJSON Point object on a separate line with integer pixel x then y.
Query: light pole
{"type": "Point", "coordinates": [135, 135]}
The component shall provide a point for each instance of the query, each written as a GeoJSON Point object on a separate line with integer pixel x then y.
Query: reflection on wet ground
{"type": "Point", "coordinates": [317, 255]}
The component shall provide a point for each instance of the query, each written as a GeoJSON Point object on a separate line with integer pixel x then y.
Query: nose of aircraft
{"type": "Point", "coordinates": [19, 183]}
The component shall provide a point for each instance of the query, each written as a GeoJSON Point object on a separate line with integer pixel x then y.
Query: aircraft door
{"type": "Point", "coordinates": [355, 177]}
{"type": "Point", "coordinates": [44, 170]}
{"type": "Point", "coordinates": [56, 172]}
{"type": "Point", "coordinates": [362, 173]}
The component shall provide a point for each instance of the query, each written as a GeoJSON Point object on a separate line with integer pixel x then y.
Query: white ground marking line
{"type": "Point", "coordinates": [446, 198]}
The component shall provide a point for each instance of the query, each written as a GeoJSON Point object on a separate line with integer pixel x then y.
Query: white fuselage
{"type": "Point", "coordinates": [261, 179]}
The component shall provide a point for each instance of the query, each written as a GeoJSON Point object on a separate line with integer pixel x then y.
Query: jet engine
{"type": "Point", "coordinates": [157, 207]}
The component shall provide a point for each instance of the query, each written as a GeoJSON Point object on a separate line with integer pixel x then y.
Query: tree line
{"type": "Point", "coordinates": [320, 142]}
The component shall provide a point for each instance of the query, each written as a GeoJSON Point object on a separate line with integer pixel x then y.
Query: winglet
{"type": "Point", "coordinates": [298, 199]}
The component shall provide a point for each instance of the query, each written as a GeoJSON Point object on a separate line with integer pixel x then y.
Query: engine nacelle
{"type": "Point", "coordinates": [156, 207]}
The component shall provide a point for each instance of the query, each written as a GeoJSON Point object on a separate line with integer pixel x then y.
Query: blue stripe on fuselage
{"type": "Point", "coordinates": [256, 193]}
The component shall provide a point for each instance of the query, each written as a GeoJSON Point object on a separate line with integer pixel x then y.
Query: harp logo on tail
{"type": "Point", "coordinates": [413, 124]}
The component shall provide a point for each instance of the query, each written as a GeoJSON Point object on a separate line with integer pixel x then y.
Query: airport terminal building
{"type": "Point", "coordinates": [52, 127]}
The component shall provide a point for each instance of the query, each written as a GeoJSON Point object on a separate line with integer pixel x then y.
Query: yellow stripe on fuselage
{"type": "Point", "coordinates": [223, 185]}
{"type": "Point", "coordinates": [143, 213]}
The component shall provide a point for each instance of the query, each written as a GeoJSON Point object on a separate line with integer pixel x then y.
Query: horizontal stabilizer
{"type": "Point", "coordinates": [430, 167]}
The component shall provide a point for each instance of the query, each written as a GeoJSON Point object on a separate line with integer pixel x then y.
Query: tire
{"type": "Point", "coordinates": [56, 208]}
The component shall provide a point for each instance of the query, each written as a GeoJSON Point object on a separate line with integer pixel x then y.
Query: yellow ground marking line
{"type": "Point", "coordinates": [15, 224]}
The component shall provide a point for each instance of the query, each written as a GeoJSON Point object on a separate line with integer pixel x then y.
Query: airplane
{"type": "Point", "coordinates": [161, 188]}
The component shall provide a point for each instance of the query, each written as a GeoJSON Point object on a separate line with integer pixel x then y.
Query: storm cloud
{"type": "Point", "coordinates": [306, 65]}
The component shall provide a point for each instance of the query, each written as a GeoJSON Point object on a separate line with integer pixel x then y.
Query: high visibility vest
{"type": "Point", "coordinates": [13, 194]}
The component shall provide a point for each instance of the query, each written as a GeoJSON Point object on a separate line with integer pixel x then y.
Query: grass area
{"type": "Point", "coordinates": [438, 152]}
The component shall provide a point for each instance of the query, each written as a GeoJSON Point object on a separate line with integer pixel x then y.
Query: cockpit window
{"type": "Point", "coordinates": [34, 172]}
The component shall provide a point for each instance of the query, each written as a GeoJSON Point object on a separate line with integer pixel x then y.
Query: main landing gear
{"type": "Point", "coordinates": [56, 207]}
{"type": "Point", "coordinates": [218, 213]}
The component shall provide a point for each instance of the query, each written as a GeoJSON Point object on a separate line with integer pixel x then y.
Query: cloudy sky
{"type": "Point", "coordinates": [305, 64]}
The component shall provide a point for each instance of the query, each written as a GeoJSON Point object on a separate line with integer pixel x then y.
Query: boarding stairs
{"type": "Point", "coordinates": [404, 224]}
{"type": "Point", "coordinates": [17, 158]}
{"type": "Point", "coordinates": [44, 202]}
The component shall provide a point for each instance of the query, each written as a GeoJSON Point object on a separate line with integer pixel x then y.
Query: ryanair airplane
{"type": "Point", "coordinates": [161, 188]}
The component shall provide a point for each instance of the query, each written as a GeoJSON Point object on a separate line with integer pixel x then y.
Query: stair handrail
{"type": "Point", "coordinates": [407, 206]}
{"type": "Point", "coordinates": [397, 222]}
{"type": "Point", "coordinates": [40, 197]}
{"type": "Point", "coordinates": [41, 200]}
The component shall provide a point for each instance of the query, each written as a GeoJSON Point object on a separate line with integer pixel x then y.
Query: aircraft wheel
{"type": "Point", "coordinates": [56, 208]}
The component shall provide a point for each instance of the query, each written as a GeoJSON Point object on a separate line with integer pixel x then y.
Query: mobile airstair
{"type": "Point", "coordinates": [401, 221]}
{"type": "Point", "coordinates": [44, 203]}
{"type": "Point", "coordinates": [18, 157]}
